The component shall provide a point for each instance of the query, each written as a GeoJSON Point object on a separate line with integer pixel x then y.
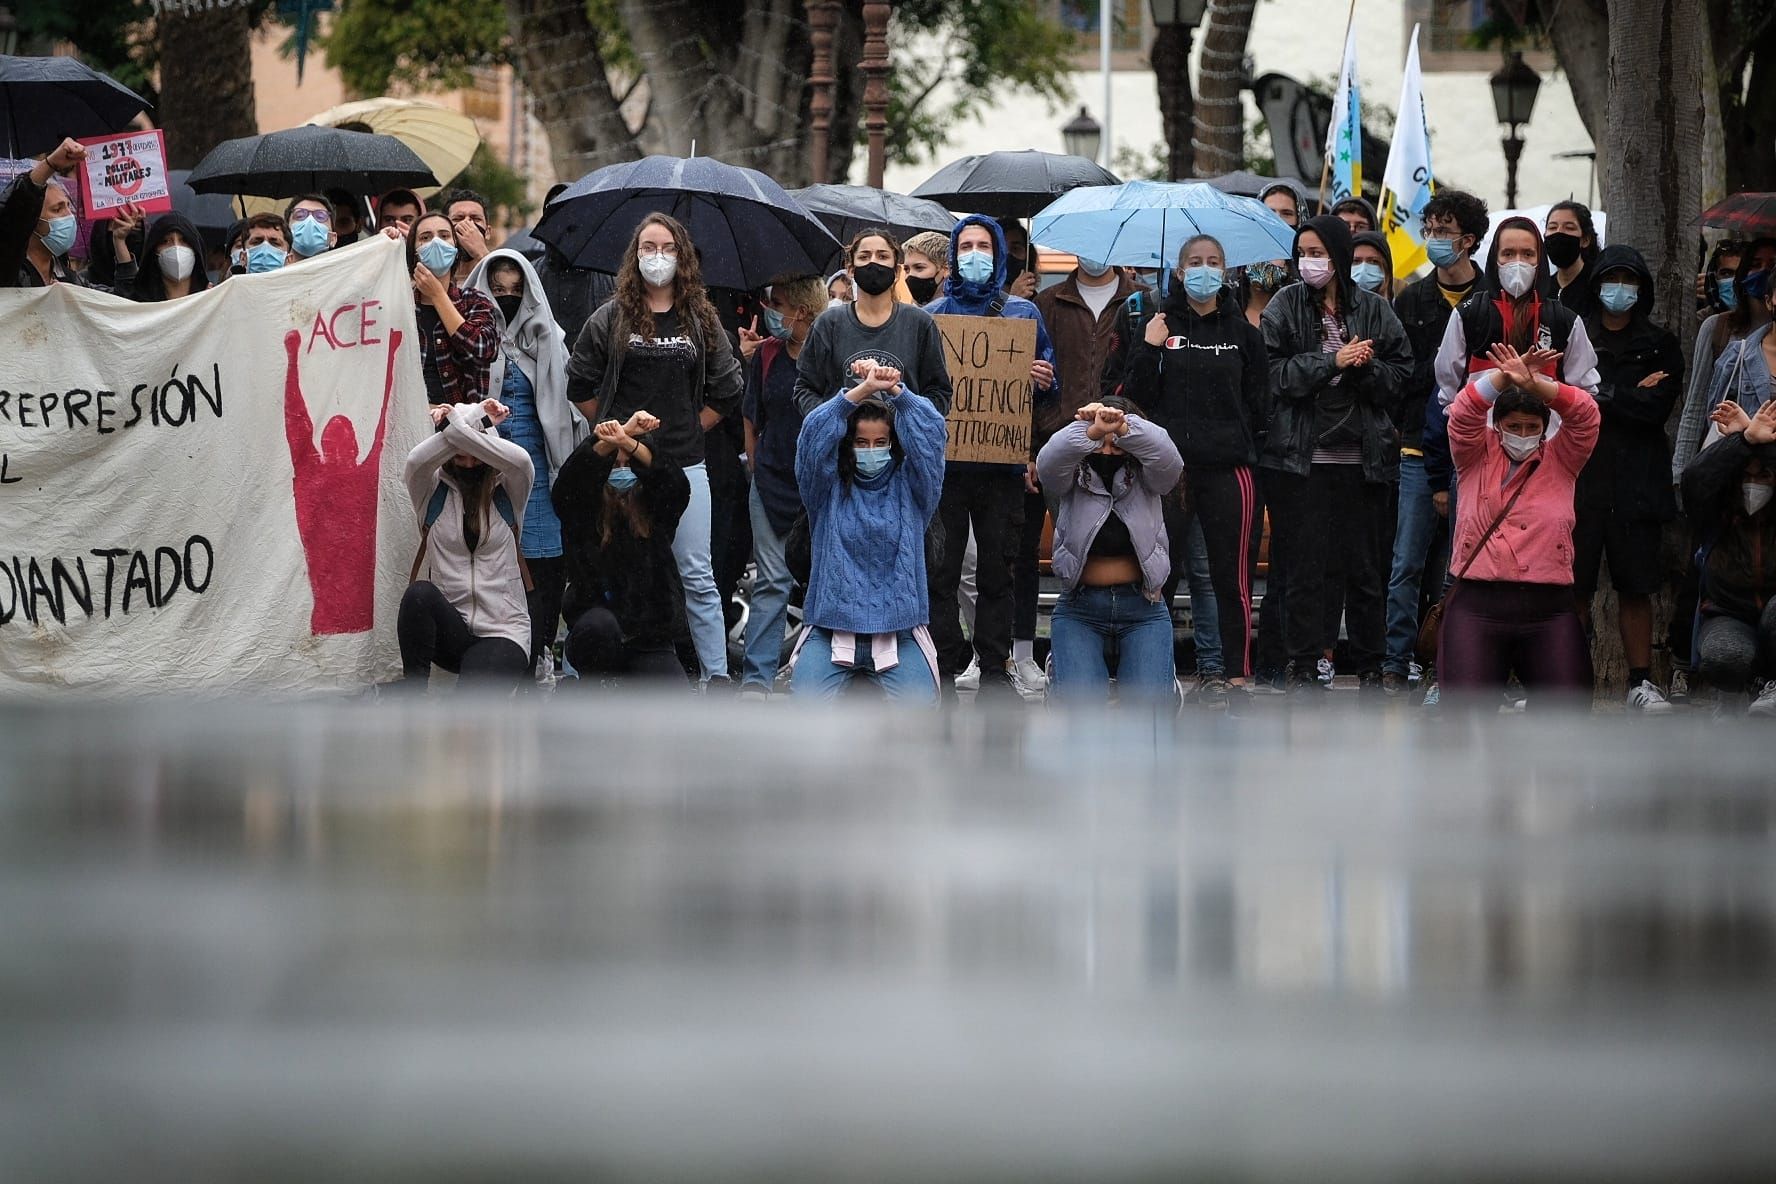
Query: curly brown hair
{"type": "Point", "coordinates": [689, 299]}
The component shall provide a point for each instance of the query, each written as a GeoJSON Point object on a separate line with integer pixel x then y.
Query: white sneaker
{"type": "Point", "coordinates": [1325, 671]}
{"type": "Point", "coordinates": [1764, 705]}
{"type": "Point", "coordinates": [545, 671]}
{"type": "Point", "coordinates": [1648, 698]}
{"type": "Point", "coordinates": [1414, 673]}
{"type": "Point", "coordinates": [1680, 686]}
{"type": "Point", "coordinates": [969, 679]}
{"type": "Point", "coordinates": [1433, 698]}
{"type": "Point", "coordinates": [1027, 677]}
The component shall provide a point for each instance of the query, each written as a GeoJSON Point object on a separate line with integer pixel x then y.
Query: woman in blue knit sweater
{"type": "Point", "coordinates": [870, 464]}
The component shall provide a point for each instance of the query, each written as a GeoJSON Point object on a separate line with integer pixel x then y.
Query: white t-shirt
{"type": "Point", "coordinates": [1098, 296]}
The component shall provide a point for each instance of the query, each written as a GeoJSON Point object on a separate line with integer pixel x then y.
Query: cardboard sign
{"type": "Point", "coordinates": [127, 168]}
{"type": "Point", "coordinates": [206, 494]}
{"type": "Point", "coordinates": [989, 361]}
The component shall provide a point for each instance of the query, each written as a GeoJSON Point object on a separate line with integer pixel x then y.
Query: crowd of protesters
{"type": "Point", "coordinates": [1425, 478]}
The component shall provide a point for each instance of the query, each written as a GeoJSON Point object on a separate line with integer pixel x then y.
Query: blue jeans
{"type": "Point", "coordinates": [690, 546]}
{"type": "Point", "coordinates": [1088, 622]}
{"type": "Point", "coordinates": [913, 680]}
{"type": "Point", "coordinates": [771, 586]}
{"type": "Point", "coordinates": [1414, 529]}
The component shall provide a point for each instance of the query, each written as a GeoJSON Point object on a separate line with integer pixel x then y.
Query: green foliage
{"type": "Point", "coordinates": [1260, 152]}
{"type": "Point", "coordinates": [112, 35]}
{"type": "Point", "coordinates": [419, 43]}
{"type": "Point", "coordinates": [505, 189]}
{"type": "Point", "coordinates": [1131, 164]}
{"type": "Point", "coordinates": [986, 51]}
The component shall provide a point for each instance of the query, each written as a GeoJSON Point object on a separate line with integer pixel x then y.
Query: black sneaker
{"type": "Point", "coordinates": [1302, 684]}
{"type": "Point", "coordinates": [1212, 691]}
{"type": "Point", "coordinates": [1394, 684]}
{"type": "Point", "coordinates": [1371, 682]}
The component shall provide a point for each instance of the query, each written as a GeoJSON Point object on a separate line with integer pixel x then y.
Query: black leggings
{"type": "Point", "coordinates": [549, 581]}
{"type": "Point", "coordinates": [1225, 500]}
{"type": "Point", "coordinates": [432, 632]}
{"type": "Point", "coordinates": [595, 648]}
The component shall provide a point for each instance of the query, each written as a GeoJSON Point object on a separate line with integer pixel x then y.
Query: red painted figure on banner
{"type": "Point", "coordinates": [336, 502]}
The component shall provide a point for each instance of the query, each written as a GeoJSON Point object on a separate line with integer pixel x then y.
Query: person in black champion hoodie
{"type": "Point", "coordinates": [1201, 372]}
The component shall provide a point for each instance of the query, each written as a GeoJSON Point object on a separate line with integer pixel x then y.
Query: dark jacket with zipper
{"type": "Point", "coordinates": [1208, 385]}
{"type": "Point", "coordinates": [1302, 374]}
{"type": "Point", "coordinates": [21, 205]}
{"type": "Point", "coordinates": [1629, 473]}
{"type": "Point", "coordinates": [1739, 568]}
{"type": "Point", "coordinates": [636, 578]}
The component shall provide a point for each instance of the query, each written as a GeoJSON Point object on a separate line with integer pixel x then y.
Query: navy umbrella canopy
{"type": "Point", "coordinates": [847, 209]}
{"type": "Point", "coordinates": [747, 229]}
{"type": "Point", "coordinates": [46, 100]}
{"type": "Point", "coordinates": [1012, 184]}
{"type": "Point", "coordinates": [211, 213]}
{"type": "Point", "coordinates": [310, 159]}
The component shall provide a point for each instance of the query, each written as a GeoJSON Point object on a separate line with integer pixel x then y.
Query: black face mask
{"type": "Point", "coordinates": [1106, 465]}
{"type": "Point", "coordinates": [874, 278]}
{"type": "Point", "coordinates": [1563, 249]}
{"type": "Point", "coordinates": [508, 306]}
{"type": "Point", "coordinates": [923, 288]}
{"type": "Point", "coordinates": [1015, 265]}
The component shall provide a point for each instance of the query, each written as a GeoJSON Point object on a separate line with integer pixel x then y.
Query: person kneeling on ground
{"type": "Point", "coordinates": [1111, 468]}
{"type": "Point", "coordinates": [870, 464]}
{"type": "Point", "coordinates": [1727, 490]}
{"type": "Point", "coordinates": [469, 489]}
{"type": "Point", "coordinates": [620, 503]}
{"type": "Point", "coordinates": [1512, 607]}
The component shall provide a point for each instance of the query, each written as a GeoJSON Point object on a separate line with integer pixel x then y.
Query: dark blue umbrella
{"type": "Point", "coordinates": [748, 231]}
{"type": "Point", "coordinates": [211, 213]}
{"type": "Point", "coordinates": [847, 209]}
{"type": "Point", "coordinates": [1010, 184]}
{"type": "Point", "coordinates": [46, 100]}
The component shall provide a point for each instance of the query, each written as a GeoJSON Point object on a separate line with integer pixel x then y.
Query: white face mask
{"type": "Point", "coordinates": [1519, 448]}
{"type": "Point", "coordinates": [1757, 496]}
{"type": "Point", "coordinates": [1516, 278]}
{"type": "Point", "coordinates": [177, 262]}
{"type": "Point", "coordinates": [658, 270]}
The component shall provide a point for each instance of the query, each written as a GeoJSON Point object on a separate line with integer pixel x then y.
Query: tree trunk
{"type": "Point", "coordinates": [1655, 126]}
{"type": "Point", "coordinates": [1580, 33]}
{"type": "Point", "coordinates": [1220, 140]}
{"type": "Point", "coordinates": [555, 51]}
{"type": "Point", "coordinates": [1177, 106]}
{"type": "Point", "coordinates": [1748, 110]}
{"type": "Point", "coordinates": [206, 80]}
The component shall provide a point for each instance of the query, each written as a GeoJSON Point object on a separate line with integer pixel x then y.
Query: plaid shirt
{"type": "Point", "coordinates": [462, 358]}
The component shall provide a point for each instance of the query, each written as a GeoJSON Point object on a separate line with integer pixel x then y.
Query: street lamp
{"type": "Point", "coordinates": [1514, 88]}
{"type": "Point", "coordinates": [1082, 136]}
{"type": "Point", "coordinates": [1177, 12]}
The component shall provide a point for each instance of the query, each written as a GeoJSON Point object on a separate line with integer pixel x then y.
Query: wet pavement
{"type": "Point", "coordinates": [663, 940]}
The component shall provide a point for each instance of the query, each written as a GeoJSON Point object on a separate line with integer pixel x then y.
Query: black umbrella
{"type": "Point", "coordinates": [211, 213]}
{"type": "Point", "coordinates": [1010, 184]}
{"type": "Point", "coordinates": [46, 100]}
{"type": "Point", "coordinates": [310, 159]}
{"type": "Point", "coordinates": [847, 209]}
{"type": "Point", "coordinates": [748, 231]}
{"type": "Point", "coordinates": [1242, 183]}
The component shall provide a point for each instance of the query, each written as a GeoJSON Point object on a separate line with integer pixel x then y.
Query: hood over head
{"type": "Point", "coordinates": [1293, 189]}
{"type": "Point", "coordinates": [1515, 222]}
{"type": "Point", "coordinates": [1378, 240]}
{"type": "Point", "coordinates": [1337, 238]}
{"type": "Point", "coordinates": [1615, 257]}
{"type": "Point", "coordinates": [959, 288]}
{"type": "Point", "coordinates": [534, 322]}
{"type": "Point", "coordinates": [150, 284]}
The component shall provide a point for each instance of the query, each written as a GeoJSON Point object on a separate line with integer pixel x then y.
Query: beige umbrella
{"type": "Point", "coordinates": [446, 140]}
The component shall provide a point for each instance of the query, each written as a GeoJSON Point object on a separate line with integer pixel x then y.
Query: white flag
{"type": "Point", "coordinates": [1408, 182]}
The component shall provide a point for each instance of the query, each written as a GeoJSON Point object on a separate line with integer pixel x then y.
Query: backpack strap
{"type": "Point", "coordinates": [434, 507]}
{"type": "Point", "coordinates": [996, 306]}
{"type": "Point", "coordinates": [502, 504]}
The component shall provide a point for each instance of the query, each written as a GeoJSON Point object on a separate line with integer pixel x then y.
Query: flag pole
{"type": "Point", "coordinates": [1350, 18]}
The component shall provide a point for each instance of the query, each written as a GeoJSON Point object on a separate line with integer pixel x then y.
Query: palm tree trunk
{"type": "Point", "coordinates": [1220, 139]}
{"type": "Point", "coordinates": [206, 80]}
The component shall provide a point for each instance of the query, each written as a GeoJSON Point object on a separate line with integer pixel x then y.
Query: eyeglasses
{"type": "Point", "coordinates": [303, 214]}
{"type": "Point", "coordinates": [647, 249]}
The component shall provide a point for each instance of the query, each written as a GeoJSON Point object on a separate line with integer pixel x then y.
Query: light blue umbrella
{"type": "Point", "coordinates": [1146, 223]}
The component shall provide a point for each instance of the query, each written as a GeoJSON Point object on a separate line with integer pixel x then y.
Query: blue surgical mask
{"type": "Point", "coordinates": [1618, 297]}
{"type": "Point", "coordinates": [1442, 252]}
{"type": "Point", "coordinates": [1367, 275]}
{"type": "Point", "coordinates": [774, 325]}
{"type": "Point", "coordinates": [1756, 283]}
{"type": "Point", "coordinates": [309, 237]}
{"type": "Point", "coordinates": [1202, 282]}
{"type": "Point", "coordinates": [871, 461]}
{"type": "Point", "coordinates": [438, 257]}
{"type": "Point", "coordinates": [1729, 295]}
{"type": "Point", "coordinates": [623, 480]}
{"type": "Point", "coordinates": [265, 257]}
{"type": "Point", "coordinates": [975, 266]}
{"type": "Point", "coordinates": [61, 235]}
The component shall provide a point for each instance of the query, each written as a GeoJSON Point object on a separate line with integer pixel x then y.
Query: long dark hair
{"type": "Point", "coordinates": [413, 241]}
{"type": "Point", "coordinates": [1587, 228]}
{"type": "Point", "coordinates": [632, 509]}
{"type": "Point", "coordinates": [689, 298]}
{"type": "Point", "coordinates": [1524, 309]}
{"type": "Point", "coordinates": [1748, 313]}
{"type": "Point", "coordinates": [476, 486]}
{"type": "Point", "coordinates": [866, 412]}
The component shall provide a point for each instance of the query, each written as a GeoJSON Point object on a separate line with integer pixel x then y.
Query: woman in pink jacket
{"type": "Point", "coordinates": [1512, 605]}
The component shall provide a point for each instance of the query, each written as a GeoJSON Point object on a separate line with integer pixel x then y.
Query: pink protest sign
{"type": "Point", "coordinates": [127, 168]}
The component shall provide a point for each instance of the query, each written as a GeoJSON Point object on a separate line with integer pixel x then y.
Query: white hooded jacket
{"type": "Point", "coordinates": [539, 348]}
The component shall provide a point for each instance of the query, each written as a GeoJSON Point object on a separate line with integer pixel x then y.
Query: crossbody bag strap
{"type": "Point", "coordinates": [1498, 521]}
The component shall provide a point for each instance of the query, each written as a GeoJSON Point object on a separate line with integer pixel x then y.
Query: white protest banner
{"type": "Point", "coordinates": [989, 361]}
{"type": "Point", "coordinates": [126, 168]}
{"type": "Point", "coordinates": [205, 494]}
